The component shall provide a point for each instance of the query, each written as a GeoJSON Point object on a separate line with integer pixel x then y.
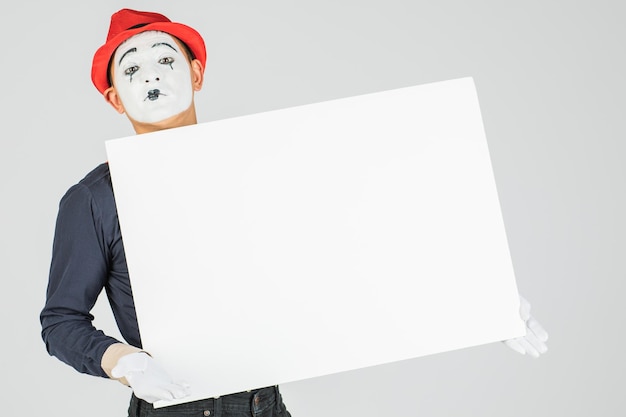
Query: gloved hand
{"type": "Point", "coordinates": [148, 381]}
{"type": "Point", "coordinates": [534, 341]}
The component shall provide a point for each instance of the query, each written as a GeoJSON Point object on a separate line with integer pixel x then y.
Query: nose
{"type": "Point", "coordinates": [152, 74]}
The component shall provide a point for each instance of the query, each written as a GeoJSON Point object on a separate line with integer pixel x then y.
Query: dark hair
{"type": "Point", "coordinates": [186, 50]}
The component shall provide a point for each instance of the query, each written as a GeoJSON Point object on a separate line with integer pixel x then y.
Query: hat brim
{"type": "Point", "coordinates": [100, 64]}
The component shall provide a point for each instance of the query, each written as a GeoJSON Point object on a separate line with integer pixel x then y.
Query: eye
{"type": "Point", "coordinates": [131, 70]}
{"type": "Point", "coordinates": [166, 61]}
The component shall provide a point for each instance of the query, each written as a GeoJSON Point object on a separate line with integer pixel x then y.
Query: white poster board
{"type": "Point", "coordinates": [316, 239]}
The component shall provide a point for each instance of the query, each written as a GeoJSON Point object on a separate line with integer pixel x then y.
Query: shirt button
{"type": "Point", "coordinates": [206, 413]}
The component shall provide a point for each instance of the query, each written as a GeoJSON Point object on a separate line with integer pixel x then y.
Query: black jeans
{"type": "Point", "coordinates": [264, 402]}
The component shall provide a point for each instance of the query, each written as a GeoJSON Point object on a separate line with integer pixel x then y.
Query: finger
{"type": "Point", "coordinates": [538, 344]}
{"type": "Point", "coordinates": [537, 329]}
{"type": "Point", "coordinates": [524, 308]}
{"type": "Point", "coordinates": [514, 344]}
{"type": "Point", "coordinates": [178, 391]}
{"type": "Point", "coordinates": [530, 349]}
{"type": "Point", "coordinates": [153, 394]}
{"type": "Point", "coordinates": [183, 384]}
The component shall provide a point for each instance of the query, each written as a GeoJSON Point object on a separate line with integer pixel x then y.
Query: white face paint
{"type": "Point", "coordinates": [152, 77]}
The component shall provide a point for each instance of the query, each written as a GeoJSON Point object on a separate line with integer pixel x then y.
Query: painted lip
{"type": "Point", "coordinates": [154, 95]}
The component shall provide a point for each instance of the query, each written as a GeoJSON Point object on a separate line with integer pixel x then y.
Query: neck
{"type": "Point", "coordinates": [186, 118]}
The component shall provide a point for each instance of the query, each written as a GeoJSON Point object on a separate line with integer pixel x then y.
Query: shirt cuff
{"type": "Point", "coordinates": [113, 354]}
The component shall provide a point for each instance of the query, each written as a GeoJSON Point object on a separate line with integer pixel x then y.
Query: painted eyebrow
{"type": "Point", "coordinates": [135, 50]}
{"type": "Point", "coordinates": [126, 53]}
{"type": "Point", "coordinates": [166, 44]}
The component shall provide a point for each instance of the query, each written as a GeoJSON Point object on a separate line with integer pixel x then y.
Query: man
{"type": "Point", "coordinates": [149, 68]}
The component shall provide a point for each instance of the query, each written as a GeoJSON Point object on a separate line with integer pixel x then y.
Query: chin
{"type": "Point", "coordinates": [164, 120]}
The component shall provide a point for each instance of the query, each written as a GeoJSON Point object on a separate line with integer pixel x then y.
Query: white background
{"type": "Point", "coordinates": [550, 76]}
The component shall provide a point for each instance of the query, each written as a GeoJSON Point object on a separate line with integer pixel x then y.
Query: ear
{"type": "Point", "coordinates": [111, 97]}
{"type": "Point", "coordinates": [197, 75]}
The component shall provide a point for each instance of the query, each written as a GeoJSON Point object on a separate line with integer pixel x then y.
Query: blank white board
{"type": "Point", "coordinates": [316, 239]}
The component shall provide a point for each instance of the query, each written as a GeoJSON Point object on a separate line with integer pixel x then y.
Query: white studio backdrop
{"type": "Point", "coordinates": [550, 78]}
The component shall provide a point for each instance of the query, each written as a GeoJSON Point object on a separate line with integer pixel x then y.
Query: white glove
{"type": "Point", "coordinates": [148, 381]}
{"type": "Point", "coordinates": [534, 341]}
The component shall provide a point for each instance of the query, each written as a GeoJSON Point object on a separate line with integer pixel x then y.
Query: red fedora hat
{"type": "Point", "coordinates": [126, 23]}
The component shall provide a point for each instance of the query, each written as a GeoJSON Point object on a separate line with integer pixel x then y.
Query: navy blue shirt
{"type": "Point", "coordinates": [87, 256]}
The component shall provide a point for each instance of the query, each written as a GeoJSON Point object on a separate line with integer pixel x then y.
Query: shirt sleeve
{"type": "Point", "coordinates": [78, 272]}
